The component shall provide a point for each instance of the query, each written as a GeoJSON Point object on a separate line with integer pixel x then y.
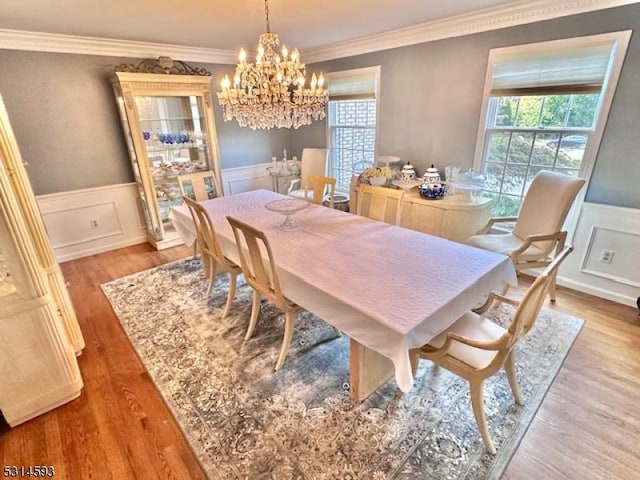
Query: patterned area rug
{"type": "Point", "coordinates": [245, 421]}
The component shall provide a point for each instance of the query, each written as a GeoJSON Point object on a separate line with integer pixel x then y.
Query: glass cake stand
{"type": "Point", "coordinates": [287, 207]}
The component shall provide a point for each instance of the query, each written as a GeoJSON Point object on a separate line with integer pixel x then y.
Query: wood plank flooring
{"type": "Point", "coordinates": [587, 428]}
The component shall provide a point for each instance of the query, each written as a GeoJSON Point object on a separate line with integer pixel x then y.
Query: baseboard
{"type": "Point", "coordinates": [607, 294]}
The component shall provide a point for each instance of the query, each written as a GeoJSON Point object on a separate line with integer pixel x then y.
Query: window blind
{"type": "Point", "coordinates": [572, 70]}
{"type": "Point", "coordinates": [353, 84]}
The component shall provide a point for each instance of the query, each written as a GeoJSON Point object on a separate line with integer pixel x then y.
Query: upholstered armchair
{"type": "Point", "coordinates": [538, 233]}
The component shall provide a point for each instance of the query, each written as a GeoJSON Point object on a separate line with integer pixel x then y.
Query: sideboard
{"type": "Point", "coordinates": [452, 217]}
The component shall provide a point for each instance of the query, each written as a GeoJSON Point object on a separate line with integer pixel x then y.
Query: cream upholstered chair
{"type": "Point", "coordinates": [199, 186]}
{"type": "Point", "coordinates": [312, 162]}
{"type": "Point", "coordinates": [211, 253]}
{"type": "Point", "coordinates": [380, 203]}
{"type": "Point", "coordinates": [476, 348]}
{"type": "Point", "coordinates": [264, 279]}
{"type": "Point", "coordinates": [537, 235]}
{"type": "Point", "coordinates": [317, 187]}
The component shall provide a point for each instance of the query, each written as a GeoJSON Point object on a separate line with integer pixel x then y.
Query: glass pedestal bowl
{"type": "Point", "coordinates": [287, 207]}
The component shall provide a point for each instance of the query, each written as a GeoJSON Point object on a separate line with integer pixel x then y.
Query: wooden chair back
{"type": "Point", "coordinates": [199, 186]}
{"type": "Point", "coordinates": [529, 306]}
{"type": "Point", "coordinates": [380, 203]}
{"type": "Point", "coordinates": [205, 233]}
{"type": "Point", "coordinates": [260, 273]}
{"type": "Point", "coordinates": [319, 186]}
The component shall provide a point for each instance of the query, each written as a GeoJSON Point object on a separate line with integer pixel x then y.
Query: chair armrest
{"type": "Point", "coordinates": [490, 299]}
{"type": "Point", "coordinates": [431, 352]}
{"type": "Point", "coordinates": [531, 239]}
{"type": "Point", "coordinates": [294, 185]}
{"type": "Point", "coordinates": [493, 220]}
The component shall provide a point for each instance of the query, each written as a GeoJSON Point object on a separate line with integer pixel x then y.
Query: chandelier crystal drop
{"type": "Point", "coordinates": [271, 92]}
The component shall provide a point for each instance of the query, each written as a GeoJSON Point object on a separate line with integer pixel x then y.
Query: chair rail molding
{"type": "Point", "coordinates": [605, 227]}
{"type": "Point", "coordinates": [493, 18]}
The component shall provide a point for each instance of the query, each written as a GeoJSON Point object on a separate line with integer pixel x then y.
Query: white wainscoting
{"type": "Point", "coordinates": [243, 179]}
{"type": "Point", "coordinates": [605, 227]}
{"type": "Point", "coordinates": [95, 220]}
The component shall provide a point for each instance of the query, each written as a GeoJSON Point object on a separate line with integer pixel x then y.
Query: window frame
{"type": "Point", "coordinates": [333, 76]}
{"type": "Point", "coordinates": [621, 41]}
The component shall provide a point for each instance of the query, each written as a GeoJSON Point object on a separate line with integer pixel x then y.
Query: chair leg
{"type": "Point", "coordinates": [211, 276]}
{"type": "Point", "coordinates": [510, 368]}
{"type": "Point", "coordinates": [255, 309]}
{"type": "Point", "coordinates": [477, 402]}
{"type": "Point", "coordinates": [231, 293]}
{"type": "Point", "coordinates": [195, 250]}
{"type": "Point", "coordinates": [288, 334]}
{"type": "Point", "coordinates": [552, 287]}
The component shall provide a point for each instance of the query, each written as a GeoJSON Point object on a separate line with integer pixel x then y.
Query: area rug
{"type": "Point", "coordinates": [243, 421]}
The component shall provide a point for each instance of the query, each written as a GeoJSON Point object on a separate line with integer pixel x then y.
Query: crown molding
{"type": "Point", "coordinates": [51, 42]}
{"type": "Point", "coordinates": [481, 21]}
{"type": "Point", "coordinates": [475, 22]}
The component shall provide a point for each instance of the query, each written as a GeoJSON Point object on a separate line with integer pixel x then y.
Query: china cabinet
{"type": "Point", "coordinates": [167, 117]}
{"type": "Point", "coordinates": [39, 332]}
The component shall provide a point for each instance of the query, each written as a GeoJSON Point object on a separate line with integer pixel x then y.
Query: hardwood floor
{"type": "Point", "coordinates": [587, 428]}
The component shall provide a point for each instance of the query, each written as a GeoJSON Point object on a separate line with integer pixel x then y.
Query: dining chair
{"type": "Point", "coordinates": [380, 203]}
{"type": "Point", "coordinates": [264, 279]}
{"type": "Point", "coordinates": [319, 187]}
{"type": "Point", "coordinates": [199, 186]}
{"type": "Point", "coordinates": [537, 235]}
{"type": "Point", "coordinates": [475, 348]}
{"type": "Point", "coordinates": [312, 162]}
{"type": "Point", "coordinates": [211, 252]}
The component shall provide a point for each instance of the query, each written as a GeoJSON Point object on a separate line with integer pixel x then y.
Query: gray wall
{"type": "Point", "coordinates": [63, 113]}
{"type": "Point", "coordinates": [431, 94]}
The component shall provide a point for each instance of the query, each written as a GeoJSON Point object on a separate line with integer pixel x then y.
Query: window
{"type": "Point", "coordinates": [545, 107]}
{"type": "Point", "coordinates": [352, 123]}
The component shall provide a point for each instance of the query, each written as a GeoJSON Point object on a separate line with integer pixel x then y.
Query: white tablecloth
{"type": "Point", "coordinates": [389, 288]}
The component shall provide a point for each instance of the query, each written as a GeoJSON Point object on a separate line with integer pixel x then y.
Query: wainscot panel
{"type": "Point", "coordinates": [606, 254]}
{"type": "Point", "coordinates": [93, 220]}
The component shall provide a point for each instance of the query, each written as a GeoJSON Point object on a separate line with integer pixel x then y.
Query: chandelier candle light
{"type": "Point", "coordinates": [271, 92]}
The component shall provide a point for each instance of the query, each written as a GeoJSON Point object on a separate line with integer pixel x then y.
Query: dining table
{"type": "Point", "coordinates": [388, 288]}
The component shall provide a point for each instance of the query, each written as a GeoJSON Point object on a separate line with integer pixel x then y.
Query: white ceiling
{"type": "Point", "coordinates": [228, 24]}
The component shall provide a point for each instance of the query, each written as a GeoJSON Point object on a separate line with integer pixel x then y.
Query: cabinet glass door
{"type": "Point", "coordinates": [176, 142]}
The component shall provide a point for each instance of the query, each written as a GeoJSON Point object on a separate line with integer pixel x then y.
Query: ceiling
{"type": "Point", "coordinates": [228, 24]}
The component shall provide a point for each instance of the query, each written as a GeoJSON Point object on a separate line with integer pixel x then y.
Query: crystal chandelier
{"type": "Point", "coordinates": [271, 92]}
